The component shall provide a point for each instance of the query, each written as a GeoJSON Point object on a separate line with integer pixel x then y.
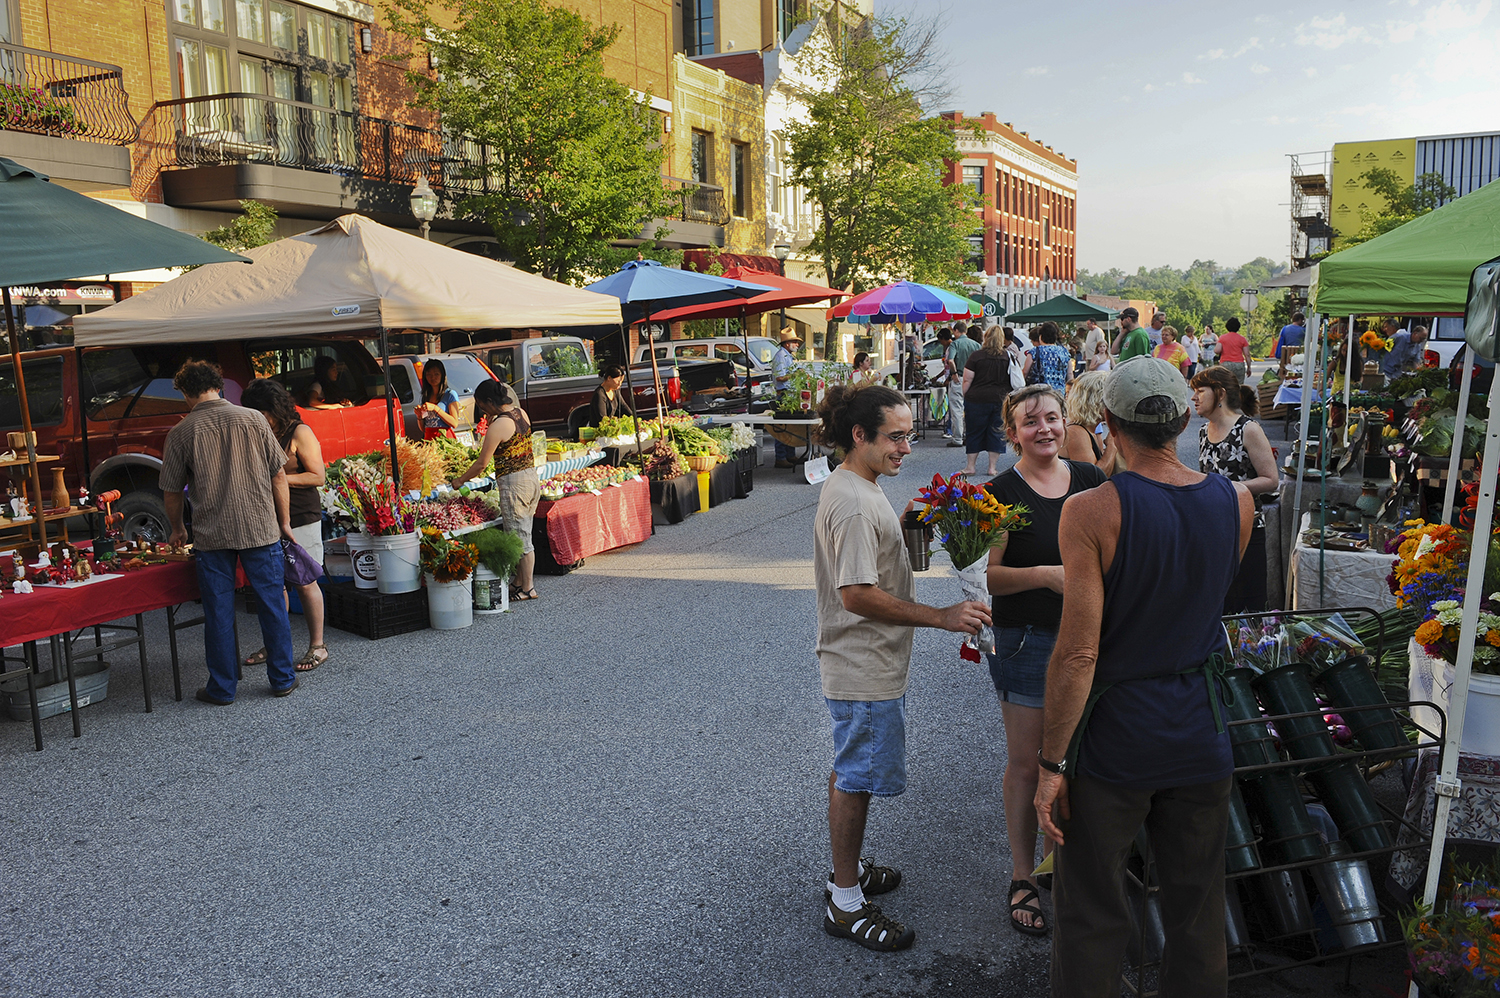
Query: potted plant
{"type": "Point", "coordinates": [499, 552]}
{"type": "Point", "coordinates": [448, 563]}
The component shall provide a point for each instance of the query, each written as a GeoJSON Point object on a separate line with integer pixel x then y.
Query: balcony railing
{"type": "Point", "coordinates": [49, 94]}
{"type": "Point", "coordinates": [699, 202]}
{"type": "Point", "coordinates": [251, 128]}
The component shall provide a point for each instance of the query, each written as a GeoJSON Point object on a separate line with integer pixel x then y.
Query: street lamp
{"type": "Point", "coordinates": [782, 251]}
{"type": "Point", "coordinates": [424, 204]}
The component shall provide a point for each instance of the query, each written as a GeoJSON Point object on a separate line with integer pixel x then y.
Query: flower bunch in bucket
{"type": "Point", "coordinates": [968, 522]}
{"type": "Point", "coordinates": [447, 559]}
{"type": "Point", "coordinates": [379, 509]}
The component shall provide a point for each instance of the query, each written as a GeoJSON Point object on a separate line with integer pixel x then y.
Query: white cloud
{"type": "Point", "coordinates": [1212, 54]}
{"type": "Point", "coordinates": [1311, 72]}
{"type": "Point", "coordinates": [1259, 68]}
{"type": "Point", "coordinates": [1038, 70]}
{"type": "Point", "coordinates": [1330, 32]}
{"type": "Point", "coordinates": [1150, 88]}
{"type": "Point", "coordinates": [1253, 43]}
{"type": "Point", "coordinates": [1190, 79]}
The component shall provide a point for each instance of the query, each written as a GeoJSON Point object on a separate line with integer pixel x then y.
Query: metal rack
{"type": "Point", "coordinates": [1306, 946]}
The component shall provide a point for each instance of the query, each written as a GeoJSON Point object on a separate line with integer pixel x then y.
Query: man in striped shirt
{"type": "Point", "coordinates": [234, 472]}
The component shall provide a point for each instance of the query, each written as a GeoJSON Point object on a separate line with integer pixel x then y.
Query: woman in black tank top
{"type": "Point", "coordinates": [304, 476]}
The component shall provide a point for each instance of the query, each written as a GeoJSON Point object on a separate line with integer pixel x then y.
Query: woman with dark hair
{"type": "Point", "coordinates": [608, 399]}
{"type": "Point", "coordinates": [304, 476]}
{"type": "Point", "coordinates": [864, 370]}
{"type": "Point", "coordinates": [325, 390]}
{"type": "Point", "coordinates": [1233, 445]}
{"type": "Point", "coordinates": [1055, 360]}
{"type": "Point", "coordinates": [1026, 582]}
{"type": "Point", "coordinates": [986, 383]}
{"type": "Point", "coordinates": [438, 412]}
{"type": "Point", "coordinates": [508, 441]}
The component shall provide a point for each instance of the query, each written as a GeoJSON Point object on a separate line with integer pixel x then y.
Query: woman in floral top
{"type": "Point", "coordinates": [1233, 445]}
{"type": "Point", "coordinates": [1056, 361]}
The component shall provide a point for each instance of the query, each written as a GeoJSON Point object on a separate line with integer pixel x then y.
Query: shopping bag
{"type": "Point", "coordinates": [299, 567]}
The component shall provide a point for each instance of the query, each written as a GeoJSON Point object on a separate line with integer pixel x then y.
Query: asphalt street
{"type": "Point", "coordinates": [618, 789]}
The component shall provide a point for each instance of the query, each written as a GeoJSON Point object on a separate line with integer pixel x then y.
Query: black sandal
{"type": "Point", "coordinates": [1031, 903]}
{"type": "Point", "coordinates": [518, 595]}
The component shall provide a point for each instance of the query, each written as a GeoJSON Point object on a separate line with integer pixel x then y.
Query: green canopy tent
{"type": "Point", "coordinates": [54, 234]}
{"type": "Point", "coordinates": [1422, 268]}
{"type": "Point", "coordinates": [1062, 308]}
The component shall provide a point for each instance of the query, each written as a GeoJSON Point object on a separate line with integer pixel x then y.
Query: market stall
{"type": "Point", "coordinates": [583, 524]}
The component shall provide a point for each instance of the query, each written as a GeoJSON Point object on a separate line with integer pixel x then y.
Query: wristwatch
{"type": "Point", "coordinates": [1060, 768]}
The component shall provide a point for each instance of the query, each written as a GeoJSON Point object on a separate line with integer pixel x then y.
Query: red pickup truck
{"type": "Point", "coordinates": [106, 411]}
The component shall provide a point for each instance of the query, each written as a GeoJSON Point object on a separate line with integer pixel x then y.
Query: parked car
{"type": "Point", "coordinates": [730, 348]}
{"type": "Point", "coordinates": [464, 370]}
{"type": "Point", "coordinates": [106, 411]}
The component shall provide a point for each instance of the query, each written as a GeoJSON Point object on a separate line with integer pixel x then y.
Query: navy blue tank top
{"type": "Point", "coordinates": [1177, 555]}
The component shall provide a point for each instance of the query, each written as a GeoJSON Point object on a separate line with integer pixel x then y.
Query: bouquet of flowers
{"type": "Point", "coordinates": [1259, 644]}
{"type": "Point", "coordinates": [380, 510]}
{"type": "Point", "coordinates": [1374, 342]}
{"type": "Point", "coordinates": [1456, 952]}
{"type": "Point", "coordinates": [447, 559]}
{"type": "Point", "coordinates": [969, 522]}
{"type": "Point", "coordinates": [1321, 642]}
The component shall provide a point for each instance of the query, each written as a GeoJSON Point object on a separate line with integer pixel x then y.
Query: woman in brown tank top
{"type": "Point", "coordinates": [508, 441]}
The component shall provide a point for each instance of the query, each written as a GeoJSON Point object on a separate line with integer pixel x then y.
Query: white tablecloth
{"type": "Point", "coordinates": [1292, 395]}
{"type": "Point", "coordinates": [1350, 578]}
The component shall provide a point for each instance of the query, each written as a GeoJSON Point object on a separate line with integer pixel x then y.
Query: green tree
{"type": "Point", "coordinates": [575, 160]}
{"type": "Point", "coordinates": [873, 165]}
{"type": "Point", "coordinates": [256, 226]}
{"type": "Point", "coordinates": [1402, 202]}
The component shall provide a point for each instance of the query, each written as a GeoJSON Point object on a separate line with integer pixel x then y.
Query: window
{"type": "Point", "coordinates": [974, 177]}
{"type": "Point", "coordinates": [698, 27]}
{"type": "Point", "coordinates": [786, 16]}
{"type": "Point", "coordinates": [317, 35]}
{"type": "Point", "coordinates": [976, 252]}
{"type": "Point", "coordinates": [44, 393]}
{"type": "Point", "coordinates": [1001, 264]}
{"type": "Point", "coordinates": [10, 22]}
{"type": "Point", "coordinates": [558, 360]}
{"type": "Point", "coordinates": [1005, 192]}
{"type": "Point", "coordinates": [691, 351]}
{"type": "Point", "coordinates": [1046, 232]}
{"type": "Point", "coordinates": [250, 18]}
{"type": "Point", "coordinates": [701, 167]}
{"type": "Point", "coordinates": [292, 364]}
{"type": "Point", "coordinates": [502, 362]}
{"type": "Point", "coordinates": [739, 156]}
{"type": "Point", "coordinates": [773, 173]}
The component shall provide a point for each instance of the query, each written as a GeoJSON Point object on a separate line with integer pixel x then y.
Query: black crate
{"type": "Point", "coordinates": [371, 614]}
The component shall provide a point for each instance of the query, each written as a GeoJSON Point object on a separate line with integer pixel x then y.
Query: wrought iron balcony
{"type": "Point", "coordinates": [227, 129]}
{"type": "Point", "coordinates": [49, 94]}
{"type": "Point", "coordinates": [700, 202]}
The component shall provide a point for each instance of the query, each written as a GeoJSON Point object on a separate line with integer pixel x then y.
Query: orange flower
{"type": "Point", "coordinates": [1430, 632]}
{"type": "Point", "coordinates": [1493, 637]}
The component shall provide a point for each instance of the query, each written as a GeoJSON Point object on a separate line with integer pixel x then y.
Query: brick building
{"type": "Point", "coordinates": [1026, 248]}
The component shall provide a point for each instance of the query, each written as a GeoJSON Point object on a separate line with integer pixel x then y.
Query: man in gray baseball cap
{"type": "Point", "coordinates": [1132, 732]}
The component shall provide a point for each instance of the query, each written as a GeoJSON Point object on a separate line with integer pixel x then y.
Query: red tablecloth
{"type": "Point", "coordinates": [583, 525]}
{"type": "Point", "coordinates": [40, 614]}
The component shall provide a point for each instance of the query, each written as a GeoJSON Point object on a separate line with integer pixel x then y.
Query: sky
{"type": "Point", "coordinates": [1181, 115]}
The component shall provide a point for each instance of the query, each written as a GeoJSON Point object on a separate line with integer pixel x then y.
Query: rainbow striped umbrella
{"type": "Point", "coordinates": [905, 301]}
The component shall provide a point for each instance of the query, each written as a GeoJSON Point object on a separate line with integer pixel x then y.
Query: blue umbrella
{"type": "Point", "coordinates": [644, 286]}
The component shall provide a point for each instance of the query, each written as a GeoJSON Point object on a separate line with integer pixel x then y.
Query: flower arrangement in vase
{"type": "Point", "coordinates": [1455, 951]}
{"type": "Point", "coordinates": [447, 559]}
{"type": "Point", "coordinates": [379, 509]}
{"type": "Point", "coordinates": [1431, 572]}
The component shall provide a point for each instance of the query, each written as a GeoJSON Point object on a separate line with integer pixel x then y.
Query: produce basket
{"type": "Point", "coordinates": [701, 462]}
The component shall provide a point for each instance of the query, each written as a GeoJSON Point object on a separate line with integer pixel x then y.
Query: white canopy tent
{"type": "Point", "coordinates": [352, 275]}
{"type": "Point", "coordinates": [345, 277]}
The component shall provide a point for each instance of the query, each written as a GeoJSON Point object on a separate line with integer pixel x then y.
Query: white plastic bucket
{"type": "Point", "coordinates": [398, 562]}
{"type": "Point", "coordinates": [491, 593]}
{"type": "Point", "coordinates": [450, 605]}
{"type": "Point", "coordinates": [362, 555]}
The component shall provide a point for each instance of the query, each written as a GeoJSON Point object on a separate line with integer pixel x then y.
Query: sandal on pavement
{"type": "Point", "coordinates": [257, 658]}
{"type": "Point", "coordinates": [311, 660]}
{"type": "Point", "coordinates": [867, 926]}
{"type": "Point", "coordinates": [521, 596]}
{"type": "Point", "coordinates": [876, 879]}
{"type": "Point", "coordinates": [1031, 903]}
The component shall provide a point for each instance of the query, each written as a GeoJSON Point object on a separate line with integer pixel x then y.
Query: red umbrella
{"type": "Point", "coordinates": [787, 294]}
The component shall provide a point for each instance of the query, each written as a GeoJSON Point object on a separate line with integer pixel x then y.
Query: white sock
{"type": "Point", "coordinates": [858, 883]}
{"type": "Point", "coordinates": [848, 898]}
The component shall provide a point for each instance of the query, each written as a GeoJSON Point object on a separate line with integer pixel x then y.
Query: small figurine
{"type": "Point", "coordinates": [20, 585]}
{"type": "Point", "coordinates": [43, 560]}
{"type": "Point", "coordinates": [82, 570]}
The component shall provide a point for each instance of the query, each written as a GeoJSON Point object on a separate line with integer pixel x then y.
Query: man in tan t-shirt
{"type": "Point", "coordinates": [865, 619]}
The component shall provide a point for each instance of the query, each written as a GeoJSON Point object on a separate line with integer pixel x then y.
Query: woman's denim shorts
{"type": "Point", "coordinates": [1019, 665]}
{"type": "Point", "coordinates": [984, 427]}
{"type": "Point", "coordinates": [869, 746]}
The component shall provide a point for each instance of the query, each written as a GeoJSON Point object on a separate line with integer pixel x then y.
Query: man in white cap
{"type": "Point", "coordinates": [782, 364]}
{"type": "Point", "coordinates": [1132, 728]}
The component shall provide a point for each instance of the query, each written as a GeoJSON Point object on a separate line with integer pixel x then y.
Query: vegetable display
{"type": "Point", "coordinates": [454, 511]}
{"type": "Point", "coordinates": [584, 480]}
{"type": "Point", "coordinates": [660, 464]}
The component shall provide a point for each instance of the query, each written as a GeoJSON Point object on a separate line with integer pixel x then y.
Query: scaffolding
{"type": "Point", "coordinates": [1312, 201]}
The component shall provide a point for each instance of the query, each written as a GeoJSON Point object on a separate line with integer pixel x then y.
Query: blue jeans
{"type": "Point", "coordinates": [267, 576]}
{"type": "Point", "coordinates": [869, 746]}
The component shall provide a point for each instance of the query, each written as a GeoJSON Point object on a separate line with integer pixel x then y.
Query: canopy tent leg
{"type": "Point", "coordinates": [661, 405]}
{"type": "Point", "coordinates": [1455, 455]}
{"type": "Point", "coordinates": [390, 403]}
{"type": "Point", "coordinates": [630, 388]}
{"type": "Point", "coordinates": [1299, 450]}
{"type": "Point", "coordinates": [20, 376]}
{"type": "Point", "coordinates": [1348, 374]}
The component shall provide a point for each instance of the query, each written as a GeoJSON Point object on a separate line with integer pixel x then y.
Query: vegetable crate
{"type": "Point", "coordinates": [1267, 391]}
{"type": "Point", "coordinates": [374, 615]}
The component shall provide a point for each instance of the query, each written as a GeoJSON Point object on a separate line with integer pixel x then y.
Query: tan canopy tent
{"type": "Point", "coordinates": [350, 275]}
